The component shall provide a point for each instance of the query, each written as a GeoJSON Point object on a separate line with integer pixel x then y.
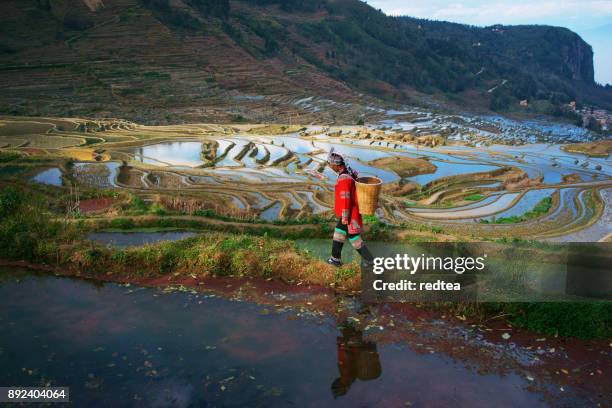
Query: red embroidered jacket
{"type": "Point", "coordinates": [345, 203]}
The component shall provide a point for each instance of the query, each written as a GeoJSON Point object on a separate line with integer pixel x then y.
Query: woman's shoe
{"type": "Point", "coordinates": [335, 262]}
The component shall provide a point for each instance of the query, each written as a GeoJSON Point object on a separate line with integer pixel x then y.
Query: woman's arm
{"type": "Point", "coordinates": [345, 199]}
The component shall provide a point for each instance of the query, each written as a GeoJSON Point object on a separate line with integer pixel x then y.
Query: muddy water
{"type": "Point", "coordinates": [128, 346]}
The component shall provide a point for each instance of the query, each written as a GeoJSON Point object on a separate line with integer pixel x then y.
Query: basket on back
{"type": "Point", "coordinates": [368, 191]}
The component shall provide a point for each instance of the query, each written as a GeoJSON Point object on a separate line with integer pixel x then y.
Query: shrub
{"type": "Point", "coordinates": [570, 319]}
{"type": "Point", "coordinates": [27, 230]}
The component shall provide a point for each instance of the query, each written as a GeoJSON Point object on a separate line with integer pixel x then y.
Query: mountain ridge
{"type": "Point", "coordinates": [186, 60]}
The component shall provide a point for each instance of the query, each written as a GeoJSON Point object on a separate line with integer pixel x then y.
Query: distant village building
{"type": "Point", "coordinates": [524, 103]}
{"type": "Point", "coordinates": [601, 117]}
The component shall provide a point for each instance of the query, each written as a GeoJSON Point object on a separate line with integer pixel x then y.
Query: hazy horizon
{"type": "Point", "coordinates": [588, 18]}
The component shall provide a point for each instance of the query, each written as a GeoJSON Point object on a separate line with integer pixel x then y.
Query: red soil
{"type": "Point", "coordinates": [96, 204]}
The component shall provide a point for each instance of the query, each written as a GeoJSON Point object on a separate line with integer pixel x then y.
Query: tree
{"type": "Point", "coordinates": [592, 124]}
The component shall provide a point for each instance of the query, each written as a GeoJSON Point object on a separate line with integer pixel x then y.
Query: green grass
{"type": "Point", "coordinates": [137, 204]}
{"type": "Point", "coordinates": [6, 157]}
{"type": "Point", "coordinates": [540, 209]}
{"type": "Point", "coordinates": [474, 197]}
{"type": "Point", "coordinates": [584, 320]}
{"type": "Point", "coordinates": [29, 231]}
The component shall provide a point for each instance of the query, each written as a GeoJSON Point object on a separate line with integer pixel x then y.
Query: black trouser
{"type": "Point", "coordinates": [340, 235]}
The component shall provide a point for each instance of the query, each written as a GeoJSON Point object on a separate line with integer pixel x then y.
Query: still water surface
{"type": "Point", "coordinates": [119, 346]}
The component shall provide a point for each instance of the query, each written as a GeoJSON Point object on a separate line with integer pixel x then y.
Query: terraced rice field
{"type": "Point", "coordinates": [273, 172]}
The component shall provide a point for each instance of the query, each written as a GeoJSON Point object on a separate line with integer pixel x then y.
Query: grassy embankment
{"type": "Point", "coordinates": [600, 148]}
{"type": "Point", "coordinates": [28, 231]}
{"type": "Point", "coordinates": [474, 197]}
{"type": "Point", "coordinates": [541, 208]}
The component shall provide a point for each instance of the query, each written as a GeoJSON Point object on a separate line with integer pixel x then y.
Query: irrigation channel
{"type": "Point", "coordinates": [244, 342]}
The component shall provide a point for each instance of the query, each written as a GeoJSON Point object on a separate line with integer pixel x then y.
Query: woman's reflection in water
{"type": "Point", "coordinates": [357, 359]}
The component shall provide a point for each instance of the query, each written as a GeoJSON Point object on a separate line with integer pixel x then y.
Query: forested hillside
{"type": "Point", "coordinates": [169, 60]}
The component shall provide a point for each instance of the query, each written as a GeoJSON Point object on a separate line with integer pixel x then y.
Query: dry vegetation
{"type": "Point", "coordinates": [405, 166]}
{"type": "Point", "coordinates": [599, 148]}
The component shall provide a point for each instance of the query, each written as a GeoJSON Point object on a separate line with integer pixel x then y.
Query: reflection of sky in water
{"type": "Point", "coordinates": [497, 205]}
{"type": "Point", "coordinates": [250, 159]}
{"type": "Point", "coordinates": [276, 152]}
{"type": "Point", "coordinates": [526, 203]}
{"type": "Point", "coordinates": [238, 203]}
{"type": "Point", "coordinates": [361, 153]}
{"type": "Point", "coordinates": [599, 230]}
{"type": "Point", "coordinates": [52, 177]}
{"type": "Point", "coordinates": [308, 197]}
{"type": "Point", "coordinates": [508, 129]}
{"type": "Point", "coordinates": [537, 159]}
{"type": "Point", "coordinates": [260, 200]}
{"type": "Point", "coordinates": [480, 203]}
{"type": "Point", "coordinates": [566, 202]}
{"type": "Point", "coordinates": [543, 156]}
{"type": "Point", "coordinates": [223, 145]}
{"type": "Point", "coordinates": [119, 346]}
{"type": "Point", "coordinates": [228, 160]}
{"type": "Point", "coordinates": [450, 169]}
{"type": "Point", "coordinates": [265, 174]}
{"type": "Point", "coordinates": [173, 153]}
{"type": "Point", "coordinates": [296, 145]}
{"type": "Point", "coordinates": [272, 213]}
{"type": "Point", "coordinates": [294, 203]}
{"type": "Point", "coordinates": [386, 176]}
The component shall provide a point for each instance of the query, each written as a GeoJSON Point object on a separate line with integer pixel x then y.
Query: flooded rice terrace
{"type": "Point", "coordinates": [120, 345]}
{"type": "Point", "coordinates": [451, 170]}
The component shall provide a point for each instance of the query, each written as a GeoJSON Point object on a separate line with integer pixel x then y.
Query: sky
{"type": "Point", "coordinates": [592, 19]}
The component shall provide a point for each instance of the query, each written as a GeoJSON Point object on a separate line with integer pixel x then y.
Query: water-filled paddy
{"type": "Point", "coordinates": [119, 346]}
{"type": "Point", "coordinates": [180, 153]}
{"type": "Point", "coordinates": [479, 203]}
{"type": "Point", "coordinates": [475, 212]}
{"type": "Point", "coordinates": [258, 200]}
{"type": "Point", "coordinates": [102, 175]}
{"type": "Point", "coordinates": [253, 164]}
{"type": "Point", "coordinates": [599, 230]}
{"type": "Point", "coordinates": [294, 202]}
{"type": "Point", "coordinates": [526, 203]}
{"type": "Point", "coordinates": [315, 207]}
{"type": "Point", "coordinates": [271, 213]}
{"type": "Point", "coordinates": [446, 169]}
{"type": "Point", "coordinates": [51, 177]}
{"type": "Point", "coordinates": [230, 158]}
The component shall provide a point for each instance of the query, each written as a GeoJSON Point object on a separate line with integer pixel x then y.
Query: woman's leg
{"type": "Point", "coordinates": [360, 246]}
{"type": "Point", "coordinates": [340, 234]}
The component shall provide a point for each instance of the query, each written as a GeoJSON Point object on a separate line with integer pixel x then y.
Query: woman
{"type": "Point", "coordinates": [346, 209]}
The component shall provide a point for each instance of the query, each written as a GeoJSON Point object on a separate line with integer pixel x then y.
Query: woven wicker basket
{"type": "Point", "coordinates": [368, 190]}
